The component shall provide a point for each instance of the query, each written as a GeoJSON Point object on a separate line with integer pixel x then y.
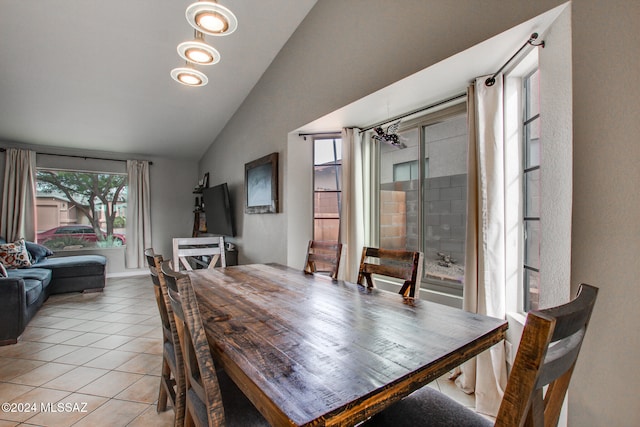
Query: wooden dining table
{"type": "Point", "coordinates": [308, 351]}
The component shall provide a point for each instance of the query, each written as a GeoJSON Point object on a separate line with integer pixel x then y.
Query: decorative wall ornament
{"type": "Point", "coordinates": [390, 136]}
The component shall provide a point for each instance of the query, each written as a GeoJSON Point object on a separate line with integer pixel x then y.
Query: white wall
{"type": "Point", "coordinates": [171, 183]}
{"type": "Point", "coordinates": [345, 50]}
{"type": "Point", "coordinates": [299, 200]}
{"type": "Point", "coordinates": [556, 171]}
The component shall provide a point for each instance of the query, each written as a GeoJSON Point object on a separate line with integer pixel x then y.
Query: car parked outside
{"type": "Point", "coordinates": [81, 232]}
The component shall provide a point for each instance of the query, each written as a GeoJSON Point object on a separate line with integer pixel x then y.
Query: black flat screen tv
{"type": "Point", "coordinates": [217, 210]}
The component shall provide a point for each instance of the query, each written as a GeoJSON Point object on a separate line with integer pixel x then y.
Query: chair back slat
{"type": "Point", "coordinates": [398, 264]}
{"type": "Point", "coordinates": [546, 356]}
{"type": "Point", "coordinates": [171, 279]}
{"type": "Point", "coordinates": [559, 358]}
{"type": "Point", "coordinates": [398, 271]}
{"type": "Point", "coordinates": [188, 250]}
{"type": "Point", "coordinates": [150, 255]}
{"type": "Point", "coordinates": [389, 254]}
{"type": "Point", "coordinates": [574, 316]}
{"type": "Point", "coordinates": [571, 322]}
{"type": "Point", "coordinates": [323, 257]}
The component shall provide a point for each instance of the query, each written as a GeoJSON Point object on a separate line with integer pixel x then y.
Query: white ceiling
{"type": "Point", "coordinates": [94, 74]}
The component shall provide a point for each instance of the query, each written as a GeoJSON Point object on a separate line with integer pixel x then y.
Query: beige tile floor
{"type": "Point", "coordinates": [95, 358]}
{"type": "Point", "coordinates": [98, 353]}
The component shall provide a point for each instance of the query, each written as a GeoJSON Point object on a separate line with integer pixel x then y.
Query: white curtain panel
{"type": "Point", "coordinates": [138, 214]}
{"type": "Point", "coordinates": [484, 287]}
{"type": "Point", "coordinates": [352, 215]}
{"type": "Point", "coordinates": [19, 195]}
{"type": "Point", "coordinates": [370, 191]}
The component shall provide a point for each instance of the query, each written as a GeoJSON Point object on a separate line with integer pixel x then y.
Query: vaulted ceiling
{"type": "Point", "coordinates": [92, 74]}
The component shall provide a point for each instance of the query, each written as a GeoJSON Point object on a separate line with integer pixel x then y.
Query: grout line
{"type": "Point", "coordinates": [116, 302]}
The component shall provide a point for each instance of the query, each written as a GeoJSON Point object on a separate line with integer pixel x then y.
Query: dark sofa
{"type": "Point", "coordinates": [24, 291]}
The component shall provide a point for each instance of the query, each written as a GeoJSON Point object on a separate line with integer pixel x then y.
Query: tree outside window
{"type": "Point", "coordinates": [79, 209]}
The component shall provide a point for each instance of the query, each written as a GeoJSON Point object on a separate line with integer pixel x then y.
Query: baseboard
{"type": "Point", "coordinates": [128, 273]}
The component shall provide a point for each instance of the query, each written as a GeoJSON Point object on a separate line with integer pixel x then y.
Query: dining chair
{"type": "Point", "coordinates": [323, 257]}
{"type": "Point", "coordinates": [547, 354]}
{"type": "Point", "coordinates": [212, 398]}
{"type": "Point", "coordinates": [399, 264]}
{"type": "Point", "coordinates": [172, 385]}
{"type": "Point", "coordinates": [191, 250]}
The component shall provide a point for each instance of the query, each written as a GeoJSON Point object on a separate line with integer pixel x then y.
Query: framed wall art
{"type": "Point", "coordinates": [261, 185]}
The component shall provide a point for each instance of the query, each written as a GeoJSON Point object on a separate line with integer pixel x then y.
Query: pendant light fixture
{"type": "Point", "coordinates": [206, 17]}
{"type": "Point", "coordinates": [198, 52]}
{"type": "Point", "coordinates": [211, 18]}
{"type": "Point", "coordinates": [189, 76]}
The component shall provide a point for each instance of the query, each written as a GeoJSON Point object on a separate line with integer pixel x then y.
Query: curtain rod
{"type": "Point", "coordinates": [419, 110]}
{"type": "Point", "coordinates": [492, 80]}
{"type": "Point", "coordinates": [77, 156]}
{"type": "Point", "coordinates": [305, 135]}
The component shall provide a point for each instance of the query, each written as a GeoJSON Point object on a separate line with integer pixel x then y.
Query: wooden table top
{"type": "Point", "coordinates": [308, 351]}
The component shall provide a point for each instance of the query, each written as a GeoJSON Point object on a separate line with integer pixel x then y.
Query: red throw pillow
{"type": "Point", "coordinates": [15, 255]}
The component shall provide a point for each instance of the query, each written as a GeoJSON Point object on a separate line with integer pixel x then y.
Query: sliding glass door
{"type": "Point", "coordinates": [423, 194]}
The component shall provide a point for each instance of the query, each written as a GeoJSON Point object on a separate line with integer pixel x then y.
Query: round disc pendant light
{"type": "Point", "coordinates": [198, 52]}
{"type": "Point", "coordinates": [211, 18]}
{"type": "Point", "coordinates": [189, 76]}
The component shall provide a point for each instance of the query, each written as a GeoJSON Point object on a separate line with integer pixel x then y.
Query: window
{"type": "Point", "coordinates": [531, 189]}
{"type": "Point", "coordinates": [407, 171]}
{"type": "Point", "coordinates": [77, 209]}
{"type": "Point", "coordinates": [422, 204]}
{"type": "Point", "coordinates": [327, 184]}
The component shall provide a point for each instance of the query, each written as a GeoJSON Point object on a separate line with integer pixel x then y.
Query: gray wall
{"type": "Point", "coordinates": [345, 50]}
{"type": "Point", "coordinates": [308, 79]}
{"type": "Point", "coordinates": [606, 230]}
{"type": "Point", "coordinates": [171, 199]}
